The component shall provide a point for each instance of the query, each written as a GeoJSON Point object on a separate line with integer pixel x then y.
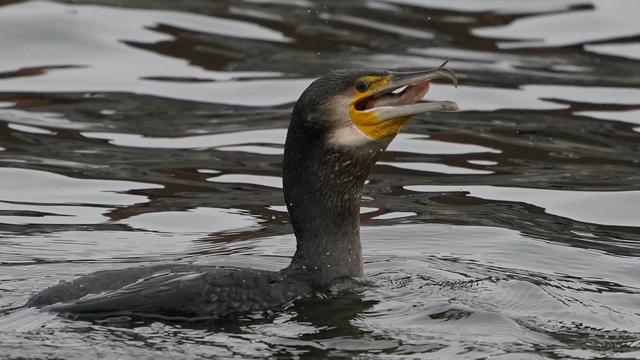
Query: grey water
{"type": "Point", "coordinates": [145, 132]}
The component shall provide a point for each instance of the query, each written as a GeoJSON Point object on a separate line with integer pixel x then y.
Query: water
{"type": "Point", "coordinates": [510, 230]}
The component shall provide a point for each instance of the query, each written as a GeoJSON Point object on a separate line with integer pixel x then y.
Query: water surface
{"type": "Point", "coordinates": [154, 133]}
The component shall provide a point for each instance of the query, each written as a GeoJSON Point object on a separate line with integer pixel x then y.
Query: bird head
{"type": "Point", "coordinates": [352, 109]}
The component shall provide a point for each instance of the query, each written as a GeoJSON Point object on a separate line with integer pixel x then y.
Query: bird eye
{"type": "Point", "coordinates": [362, 85]}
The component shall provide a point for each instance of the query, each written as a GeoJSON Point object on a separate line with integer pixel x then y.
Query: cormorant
{"type": "Point", "coordinates": [339, 128]}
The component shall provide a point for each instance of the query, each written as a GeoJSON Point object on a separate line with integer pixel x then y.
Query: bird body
{"type": "Point", "coordinates": [172, 291]}
{"type": "Point", "coordinates": [340, 126]}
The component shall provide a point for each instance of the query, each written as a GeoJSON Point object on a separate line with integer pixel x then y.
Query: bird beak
{"type": "Point", "coordinates": [388, 103]}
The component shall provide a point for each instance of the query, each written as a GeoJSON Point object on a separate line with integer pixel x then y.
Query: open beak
{"type": "Point", "coordinates": [391, 101]}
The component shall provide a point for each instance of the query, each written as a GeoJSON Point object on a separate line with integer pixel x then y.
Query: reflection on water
{"type": "Point", "coordinates": [434, 167]}
{"type": "Point", "coordinates": [607, 208]}
{"type": "Point", "coordinates": [271, 136]}
{"type": "Point", "coordinates": [630, 116]}
{"type": "Point", "coordinates": [543, 30]}
{"type": "Point", "coordinates": [508, 230]}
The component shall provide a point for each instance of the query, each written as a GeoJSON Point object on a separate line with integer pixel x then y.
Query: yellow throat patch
{"type": "Point", "coordinates": [367, 121]}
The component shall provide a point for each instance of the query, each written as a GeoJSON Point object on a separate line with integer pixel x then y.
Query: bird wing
{"type": "Point", "coordinates": [179, 292]}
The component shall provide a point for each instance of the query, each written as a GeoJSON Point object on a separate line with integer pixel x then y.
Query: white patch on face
{"type": "Point", "coordinates": [349, 136]}
{"type": "Point", "coordinates": [345, 133]}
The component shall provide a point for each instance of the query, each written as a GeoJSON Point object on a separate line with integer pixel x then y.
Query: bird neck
{"type": "Point", "coordinates": [322, 189]}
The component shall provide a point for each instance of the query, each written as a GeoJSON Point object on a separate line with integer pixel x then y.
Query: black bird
{"type": "Point", "coordinates": [339, 128]}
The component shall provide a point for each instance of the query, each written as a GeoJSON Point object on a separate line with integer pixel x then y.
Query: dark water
{"type": "Point", "coordinates": [154, 132]}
